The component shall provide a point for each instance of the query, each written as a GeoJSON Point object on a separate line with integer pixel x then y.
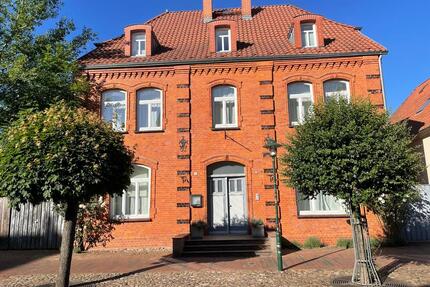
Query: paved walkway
{"type": "Point", "coordinates": [403, 261]}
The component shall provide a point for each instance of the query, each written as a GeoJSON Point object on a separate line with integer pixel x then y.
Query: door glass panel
{"type": "Point", "coordinates": [232, 186]}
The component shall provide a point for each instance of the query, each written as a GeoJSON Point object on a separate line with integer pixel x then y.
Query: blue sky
{"type": "Point", "coordinates": [401, 26]}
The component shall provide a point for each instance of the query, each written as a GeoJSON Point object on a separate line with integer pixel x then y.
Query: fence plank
{"type": "Point", "coordinates": [4, 223]}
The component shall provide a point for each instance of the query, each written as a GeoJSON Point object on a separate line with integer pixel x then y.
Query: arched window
{"type": "Point", "coordinates": [223, 39]}
{"type": "Point", "coordinates": [336, 89]}
{"type": "Point", "coordinates": [224, 105]}
{"type": "Point", "coordinates": [300, 100]}
{"type": "Point", "coordinates": [149, 109]}
{"type": "Point", "coordinates": [135, 201]}
{"type": "Point", "coordinates": [114, 107]}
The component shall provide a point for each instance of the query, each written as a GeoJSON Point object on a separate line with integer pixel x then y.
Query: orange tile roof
{"type": "Point", "coordinates": [183, 37]}
{"type": "Point", "coordinates": [416, 108]}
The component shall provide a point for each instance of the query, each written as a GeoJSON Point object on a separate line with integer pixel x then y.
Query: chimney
{"type": "Point", "coordinates": [207, 11]}
{"type": "Point", "coordinates": [246, 10]}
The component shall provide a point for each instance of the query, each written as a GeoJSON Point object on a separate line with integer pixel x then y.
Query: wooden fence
{"type": "Point", "coordinates": [33, 227]}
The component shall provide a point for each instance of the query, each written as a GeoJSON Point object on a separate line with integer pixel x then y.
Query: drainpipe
{"type": "Point", "coordinates": [382, 82]}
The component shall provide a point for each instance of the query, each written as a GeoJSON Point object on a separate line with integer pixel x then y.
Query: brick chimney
{"type": "Point", "coordinates": [246, 10]}
{"type": "Point", "coordinates": [207, 11]}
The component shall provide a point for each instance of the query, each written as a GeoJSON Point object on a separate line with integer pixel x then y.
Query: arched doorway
{"type": "Point", "coordinates": [227, 204]}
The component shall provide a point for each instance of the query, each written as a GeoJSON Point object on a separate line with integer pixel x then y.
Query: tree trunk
{"type": "Point", "coordinates": [68, 237]}
{"type": "Point", "coordinates": [364, 268]}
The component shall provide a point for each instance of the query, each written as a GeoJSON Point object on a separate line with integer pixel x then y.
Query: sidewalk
{"type": "Point", "coordinates": [405, 262]}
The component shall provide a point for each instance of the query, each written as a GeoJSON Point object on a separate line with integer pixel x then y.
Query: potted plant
{"type": "Point", "coordinates": [257, 228]}
{"type": "Point", "coordinates": [198, 229]}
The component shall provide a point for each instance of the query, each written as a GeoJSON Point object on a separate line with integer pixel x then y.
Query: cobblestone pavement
{"type": "Point", "coordinates": [138, 268]}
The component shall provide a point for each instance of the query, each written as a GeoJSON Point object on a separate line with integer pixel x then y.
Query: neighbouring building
{"type": "Point", "coordinates": [197, 92]}
{"type": "Point", "coordinates": [415, 111]}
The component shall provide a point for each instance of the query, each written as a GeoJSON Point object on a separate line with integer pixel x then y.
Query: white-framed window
{"type": "Point", "coordinates": [138, 44]}
{"type": "Point", "coordinates": [135, 202]}
{"type": "Point", "coordinates": [336, 89]}
{"type": "Point", "coordinates": [320, 205]}
{"type": "Point", "coordinates": [224, 105]}
{"type": "Point", "coordinates": [114, 108]}
{"type": "Point", "coordinates": [300, 101]}
{"type": "Point", "coordinates": [223, 39]}
{"type": "Point", "coordinates": [309, 35]}
{"type": "Point", "coordinates": [149, 109]}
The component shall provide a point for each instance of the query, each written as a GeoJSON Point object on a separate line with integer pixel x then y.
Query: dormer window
{"type": "Point", "coordinates": [138, 44]}
{"type": "Point", "coordinates": [309, 35]}
{"type": "Point", "coordinates": [223, 39]}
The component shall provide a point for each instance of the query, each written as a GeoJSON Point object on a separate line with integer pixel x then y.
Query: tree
{"type": "Point", "coordinates": [38, 69]}
{"type": "Point", "coordinates": [353, 152]}
{"type": "Point", "coordinates": [67, 155]}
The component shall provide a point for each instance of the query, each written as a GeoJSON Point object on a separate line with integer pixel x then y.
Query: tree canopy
{"type": "Point", "coordinates": [352, 151]}
{"type": "Point", "coordinates": [37, 68]}
{"type": "Point", "coordinates": [62, 154]}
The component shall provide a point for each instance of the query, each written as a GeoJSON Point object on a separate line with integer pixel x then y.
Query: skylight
{"type": "Point", "coordinates": [424, 106]}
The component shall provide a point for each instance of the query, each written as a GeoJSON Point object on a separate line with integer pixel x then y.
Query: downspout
{"type": "Point", "coordinates": [382, 82]}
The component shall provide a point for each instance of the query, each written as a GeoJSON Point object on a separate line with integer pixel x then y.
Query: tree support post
{"type": "Point", "coordinates": [364, 272]}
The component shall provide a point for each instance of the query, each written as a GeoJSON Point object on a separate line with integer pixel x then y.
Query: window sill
{"type": "Point", "coordinates": [132, 219]}
{"type": "Point", "coordinates": [322, 215]}
{"type": "Point", "coordinates": [225, 128]}
{"type": "Point", "coordinates": [149, 131]}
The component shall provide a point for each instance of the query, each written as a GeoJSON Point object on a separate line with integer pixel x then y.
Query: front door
{"type": "Point", "coordinates": [227, 205]}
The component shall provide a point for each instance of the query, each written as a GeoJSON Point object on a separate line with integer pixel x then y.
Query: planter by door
{"type": "Point", "coordinates": [227, 199]}
{"type": "Point", "coordinates": [258, 231]}
{"type": "Point", "coordinates": [197, 233]}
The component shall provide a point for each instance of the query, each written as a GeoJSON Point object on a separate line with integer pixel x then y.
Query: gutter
{"type": "Point", "coordinates": [232, 60]}
{"type": "Point", "coordinates": [382, 82]}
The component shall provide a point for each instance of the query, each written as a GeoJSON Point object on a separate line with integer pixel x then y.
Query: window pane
{"type": "Point", "coordinates": [149, 95]}
{"type": "Point", "coordinates": [143, 207]}
{"type": "Point", "coordinates": [140, 172]}
{"type": "Point", "coordinates": [304, 204]}
{"type": "Point", "coordinates": [299, 89]}
{"type": "Point", "coordinates": [142, 115]}
{"type": "Point", "coordinates": [117, 205]}
{"type": "Point", "coordinates": [312, 39]}
{"type": "Point", "coordinates": [239, 185]}
{"type": "Point", "coordinates": [232, 185]}
{"type": "Point", "coordinates": [130, 201]}
{"type": "Point", "coordinates": [155, 115]}
{"type": "Point", "coordinates": [307, 104]}
{"type": "Point", "coordinates": [219, 187]}
{"type": "Point", "coordinates": [119, 118]}
{"type": "Point", "coordinates": [336, 89]}
{"type": "Point", "coordinates": [293, 105]}
{"type": "Point", "coordinates": [230, 115]}
{"type": "Point", "coordinates": [218, 113]}
{"type": "Point", "coordinates": [226, 44]}
{"type": "Point", "coordinates": [219, 44]}
{"type": "Point", "coordinates": [107, 113]}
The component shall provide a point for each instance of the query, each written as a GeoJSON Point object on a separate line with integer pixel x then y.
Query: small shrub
{"type": "Point", "coordinates": [256, 222]}
{"type": "Point", "coordinates": [344, 243]}
{"type": "Point", "coordinates": [312, 242]}
{"type": "Point", "coordinates": [375, 243]}
{"type": "Point", "coordinates": [199, 224]}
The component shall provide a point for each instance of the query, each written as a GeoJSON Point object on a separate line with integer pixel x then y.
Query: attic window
{"type": "Point", "coordinates": [138, 44]}
{"type": "Point", "coordinates": [223, 39]}
{"type": "Point", "coordinates": [424, 106]}
{"type": "Point", "coordinates": [309, 35]}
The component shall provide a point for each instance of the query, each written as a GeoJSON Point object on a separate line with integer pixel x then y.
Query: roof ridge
{"type": "Point", "coordinates": [229, 8]}
{"type": "Point", "coordinates": [158, 16]}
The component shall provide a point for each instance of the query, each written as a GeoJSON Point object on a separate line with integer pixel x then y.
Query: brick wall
{"type": "Point", "coordinates": [263, 111]}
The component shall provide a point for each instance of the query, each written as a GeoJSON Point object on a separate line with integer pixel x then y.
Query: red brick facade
{"type": "Point", "coordinates": [262, 111]}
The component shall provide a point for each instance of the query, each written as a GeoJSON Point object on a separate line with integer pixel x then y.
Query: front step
{"type": "Point", "coordinates": [227, 247]}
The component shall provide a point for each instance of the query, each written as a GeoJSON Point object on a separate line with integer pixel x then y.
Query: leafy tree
{"type": "Point", "coordinates": [38, 69]}
{"type": "Point", "coordinates": [353, 152]}
{"type": "Point", "coordinates": [66, 155]}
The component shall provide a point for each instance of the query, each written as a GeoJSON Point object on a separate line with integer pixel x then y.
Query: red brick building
{"type": "Point", "coordinates": [197, 92]}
